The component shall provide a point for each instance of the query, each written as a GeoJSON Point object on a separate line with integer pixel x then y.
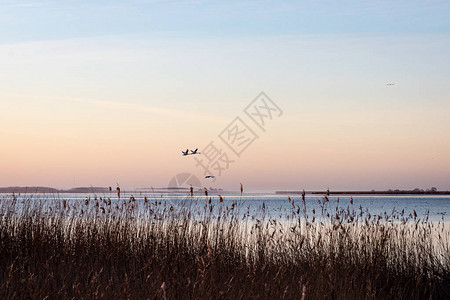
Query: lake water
{"type": "Point", "coordinates": [437, 207]}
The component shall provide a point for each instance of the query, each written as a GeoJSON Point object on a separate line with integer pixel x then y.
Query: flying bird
{"type": "Point", "coordinates": [210, 176]}
{"type": "Point", "coordinates": [390, 83]}
{"type": "Point", "coordinates": [195, 151]}
{"type": "Point", "coordinates": [185, 153]}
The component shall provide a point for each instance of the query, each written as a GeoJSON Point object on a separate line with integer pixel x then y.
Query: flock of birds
{"type": "Point", "coordinates": [193, 152]}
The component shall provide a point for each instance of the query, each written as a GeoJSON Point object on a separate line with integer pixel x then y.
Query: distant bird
{"type": "Point", "coordinates": [210, 176]}
{"type": "Point", "coordinates": [195, 151]}
{"type": "Point", "coordinates": [185, 153]}
{"type": "Point", "coordinates": [390, 83]}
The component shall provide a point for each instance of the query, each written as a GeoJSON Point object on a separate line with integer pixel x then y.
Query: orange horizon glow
{"type": "Point", "coordinates": [77, 113]}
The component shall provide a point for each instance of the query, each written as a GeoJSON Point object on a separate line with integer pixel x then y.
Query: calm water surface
{"type": "Point", "coordinates": [438, 207]}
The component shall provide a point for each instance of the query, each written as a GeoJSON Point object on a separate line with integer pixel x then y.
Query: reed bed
{"type": "Point", "coordinates": [142, 249]}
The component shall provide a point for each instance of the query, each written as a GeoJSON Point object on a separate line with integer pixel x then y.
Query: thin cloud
{"type": "Point", "coordinates": [118, 105]}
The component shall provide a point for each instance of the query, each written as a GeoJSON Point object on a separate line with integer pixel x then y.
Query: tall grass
{"type": "Point", "coordinates": [104, 249]}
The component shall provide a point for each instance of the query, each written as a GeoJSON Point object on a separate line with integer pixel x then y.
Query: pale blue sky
{"type": "Point", "coordinates": [25, 20]}
{"type": "Point", "coordinates": [111, 91]}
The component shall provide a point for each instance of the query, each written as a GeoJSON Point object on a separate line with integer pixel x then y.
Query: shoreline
{"type": "Point", "coordinates": [349, 193]}
{"type": "Point", "coordinates": [106, 190]}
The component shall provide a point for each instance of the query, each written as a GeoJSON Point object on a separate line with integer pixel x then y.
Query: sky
{"type": "Point", "coordinates": [95, 93]}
